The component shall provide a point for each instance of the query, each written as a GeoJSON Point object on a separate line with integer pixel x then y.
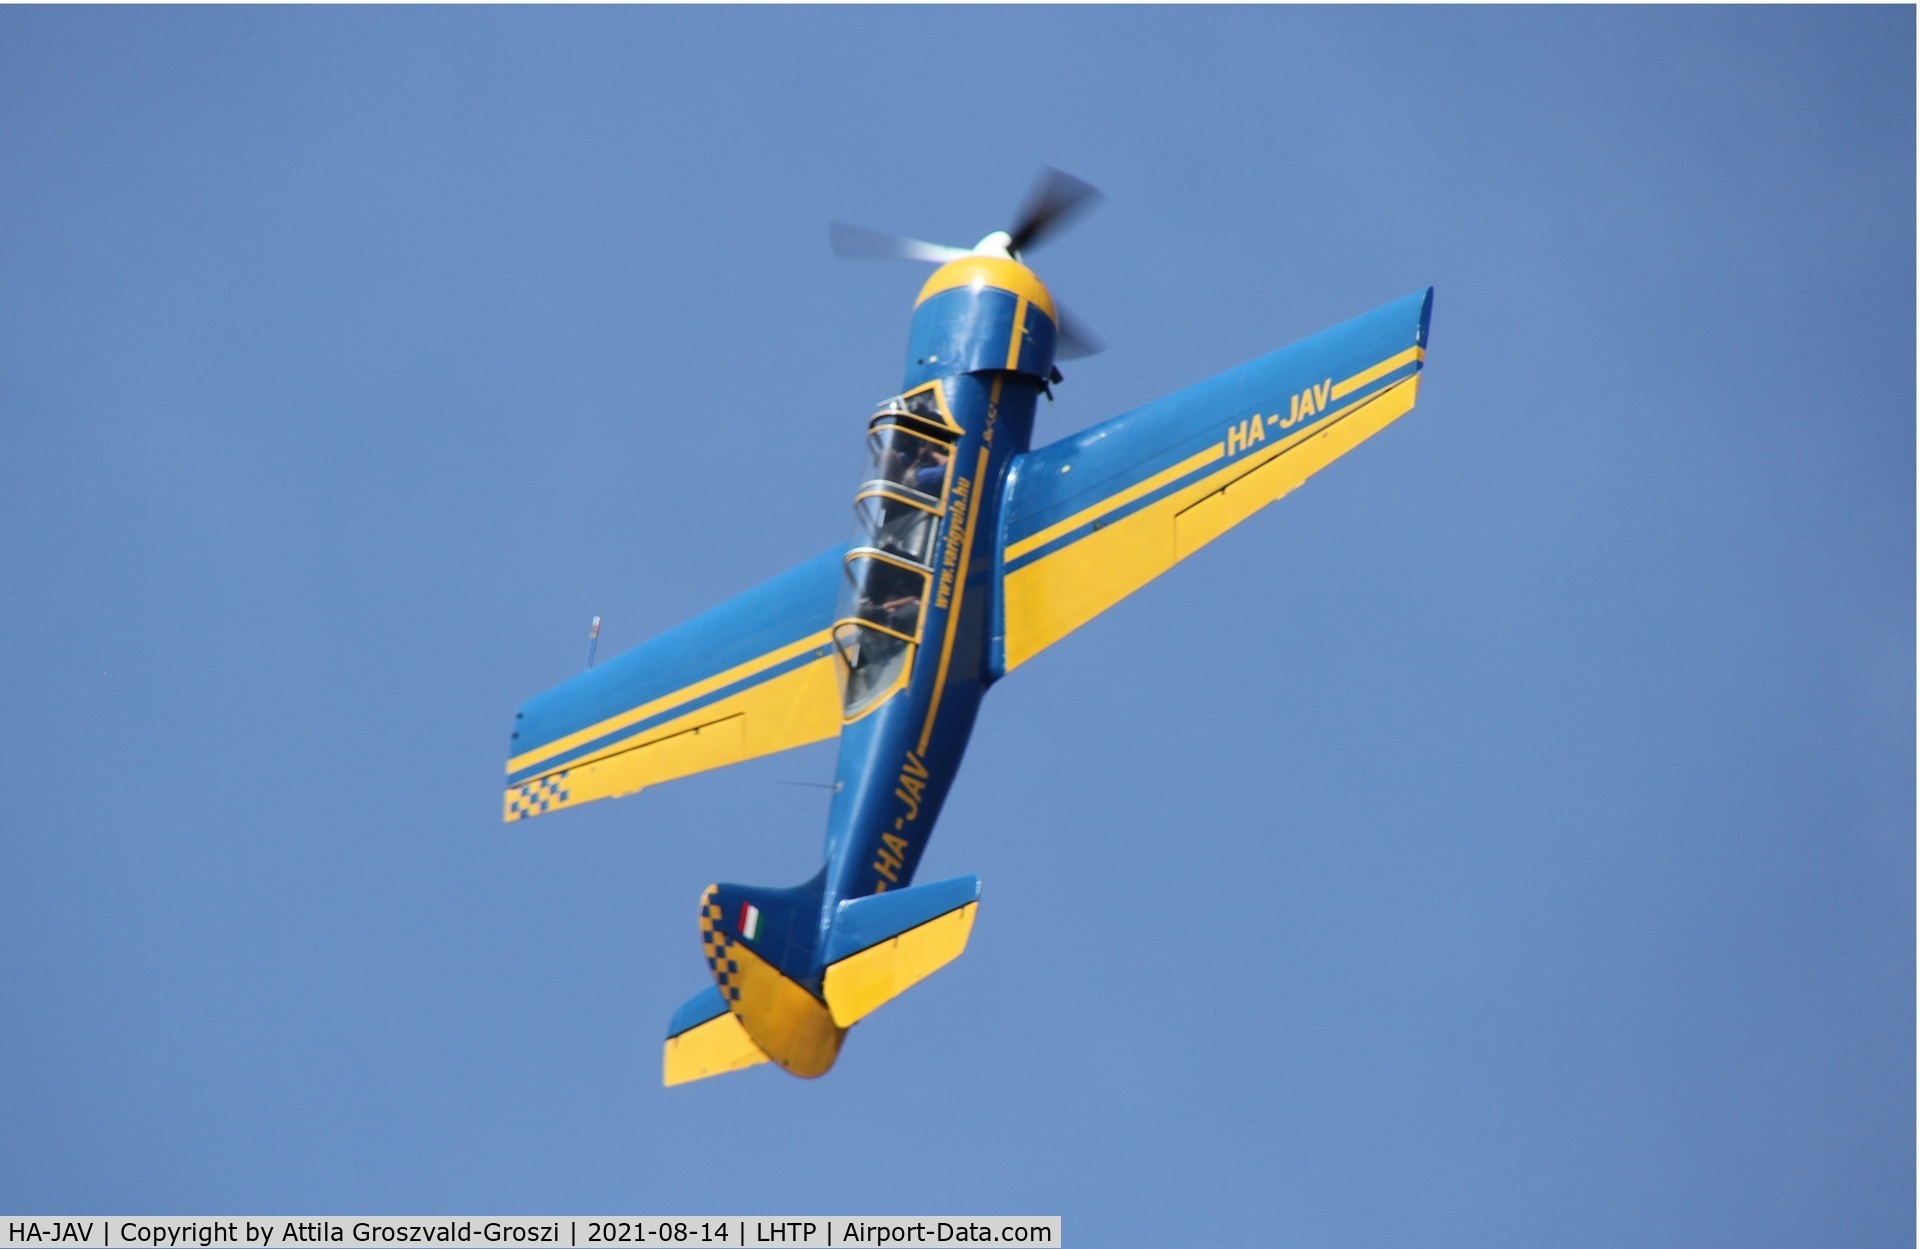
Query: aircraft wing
{"type": "Point", "coordinates": [748, 678]}
{"type": "Point", "coordinates": [1092, 518]}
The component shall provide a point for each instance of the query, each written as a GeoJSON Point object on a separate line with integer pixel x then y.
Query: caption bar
{"type": "Point", "coordinates": [730, 1232]}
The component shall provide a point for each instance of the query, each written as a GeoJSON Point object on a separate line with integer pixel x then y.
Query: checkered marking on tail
{"type": "Point", "coordinates": [537, 797]}
{"type": "Point", "coordinates": [717, 945]}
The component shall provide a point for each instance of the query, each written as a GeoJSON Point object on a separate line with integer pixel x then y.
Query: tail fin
{"type": "Point", "coordinates": [883, 945]}
{"type": "Point", "coordinates": [759, 944]}
{"type": "Point", "coordinates": [705, 1039]}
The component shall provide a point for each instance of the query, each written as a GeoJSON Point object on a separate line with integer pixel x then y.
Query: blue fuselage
{"type": "Point", "coordinates": [898, 761]}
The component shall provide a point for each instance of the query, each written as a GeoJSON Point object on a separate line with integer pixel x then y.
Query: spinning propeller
{"type": "Point", "coordinates": [1056, 199]}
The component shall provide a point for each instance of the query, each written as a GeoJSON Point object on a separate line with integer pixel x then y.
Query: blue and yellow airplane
{"type": "Point", "coordinates": [971, 554]}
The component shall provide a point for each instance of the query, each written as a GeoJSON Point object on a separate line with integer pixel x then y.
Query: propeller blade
{"type": "Point", "coordinates": [1072, 339]}
{"type": "Point", "coordinates": [1056, 198]}
{"type": "Point", "coordinates": [859, 243]}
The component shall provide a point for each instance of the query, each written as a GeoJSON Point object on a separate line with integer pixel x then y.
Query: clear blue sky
{"type": "Point", "coordinates": [1507, 840]}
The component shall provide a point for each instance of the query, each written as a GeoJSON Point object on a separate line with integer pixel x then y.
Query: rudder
{"type": "Point", "coordinates": [749, 935]}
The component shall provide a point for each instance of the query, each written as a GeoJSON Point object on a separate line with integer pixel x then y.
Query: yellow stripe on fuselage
{"type": "Point", "coordinates": [959, 589]}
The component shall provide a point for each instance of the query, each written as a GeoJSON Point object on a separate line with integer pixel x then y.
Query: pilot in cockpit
{"type": "Point", "coordinates": [917, 463]}
{"type": "Point", "coordinates": [930, 475]}
{"type": "Point", "coordinates": [899, 611]}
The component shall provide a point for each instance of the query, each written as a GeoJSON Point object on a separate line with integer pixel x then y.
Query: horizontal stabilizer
{"type": "Point", "coordinates": [883, 945]}
{"type": "Point", "coordinates": [706, 1039]}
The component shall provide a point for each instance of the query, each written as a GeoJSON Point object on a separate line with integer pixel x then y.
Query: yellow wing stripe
{"type": "Point", "coordinates": [1051, 597]}
{"type": "Point", "coordinates": [1278, 476]}
{"type": "Point", "coordinates": [792, 709]}
{"type": "Point", "coordinates": [685, 693]}
{"type": "Point", "coordinates": [862, 983]}
{"type": "Point", "coordinates": [1115, 501]}
{"type": "Point", "coordinates": [1342, 389]}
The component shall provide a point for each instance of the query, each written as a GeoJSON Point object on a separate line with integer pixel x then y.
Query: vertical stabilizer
{"type": "Point", "coordinates": [747, 935]}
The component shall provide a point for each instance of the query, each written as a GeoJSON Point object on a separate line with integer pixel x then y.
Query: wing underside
{"type": "Point", "coordinates": [749, 678]}
{"type": "Point", "coordinates": [1093, 517]}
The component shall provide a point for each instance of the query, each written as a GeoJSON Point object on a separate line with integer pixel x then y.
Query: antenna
{"type": "Point", "coordinates": [593, 640]}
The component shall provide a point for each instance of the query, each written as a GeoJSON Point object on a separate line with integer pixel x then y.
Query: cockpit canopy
{"type": "Point", "coordinates": [897, 513]}
{"type": "Point", "coordinates": [908, 459]}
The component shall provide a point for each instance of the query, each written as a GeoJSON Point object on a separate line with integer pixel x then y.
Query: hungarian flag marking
{"type": "Point", "coordinates": [749, 921]}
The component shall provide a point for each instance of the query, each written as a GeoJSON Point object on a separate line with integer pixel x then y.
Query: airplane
{"type": "Point", "coordinates": [972, 553]}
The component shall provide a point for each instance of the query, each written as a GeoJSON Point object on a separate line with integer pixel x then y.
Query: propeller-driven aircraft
{"type": "Point", "coordinates": [971, 554]}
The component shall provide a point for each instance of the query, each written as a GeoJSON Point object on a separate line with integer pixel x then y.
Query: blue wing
{"type": "Point", "coordinates": [1092, 518]}
{"type": "Point", "coordinates": [748, 678]}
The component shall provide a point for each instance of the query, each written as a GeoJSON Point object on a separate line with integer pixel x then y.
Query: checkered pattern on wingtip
{"type": "Point", "coordinates": [537, 797]}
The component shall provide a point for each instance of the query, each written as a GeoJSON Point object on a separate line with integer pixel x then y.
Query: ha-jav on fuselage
{"type": "Point", "coordinates": [971, 554]}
